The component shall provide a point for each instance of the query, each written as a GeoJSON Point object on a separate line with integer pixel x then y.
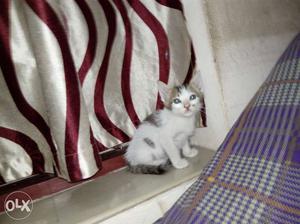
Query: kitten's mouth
{"type": "Point", "coordinates": [187, 111]}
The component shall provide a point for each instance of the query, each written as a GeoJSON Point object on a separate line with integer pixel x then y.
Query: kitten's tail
{"type": "Point", "coordinates": [148, 169]}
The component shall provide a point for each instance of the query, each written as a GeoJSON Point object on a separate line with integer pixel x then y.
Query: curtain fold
{"type": "Point", "coordinates": [77, 77]}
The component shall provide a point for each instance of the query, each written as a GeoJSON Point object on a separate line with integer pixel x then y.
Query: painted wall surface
{"type": "Point", "coordinates": [237, 42]}
{"type": "Point", "coordinates": [197, 21]}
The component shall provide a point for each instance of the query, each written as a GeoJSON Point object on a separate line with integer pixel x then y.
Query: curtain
{"type": "Point", "coordinates": [77, 77]}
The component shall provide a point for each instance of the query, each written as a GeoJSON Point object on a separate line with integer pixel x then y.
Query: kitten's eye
{"type": "Point", "coordinates": [192, 97]}
{"type": "Point", "coordinates": [176, 101]}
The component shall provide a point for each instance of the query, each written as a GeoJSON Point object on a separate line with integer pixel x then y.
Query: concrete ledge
{"type": "Point", "coordinates": [99, 199]}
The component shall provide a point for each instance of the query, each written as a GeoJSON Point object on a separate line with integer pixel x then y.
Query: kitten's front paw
{"type": "Point", "coordinates": [191, 153]}
{"type": "Point", "coordinates": [181, 164]}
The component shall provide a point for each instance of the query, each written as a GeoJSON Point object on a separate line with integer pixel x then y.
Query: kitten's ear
{"type": "Point", "coordinates": [196, 82]}
{"type": "Point", "coordinates": [164, 91]}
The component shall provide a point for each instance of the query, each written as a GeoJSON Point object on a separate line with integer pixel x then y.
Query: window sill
{"type": "Point", "coordinates": [98, 199]}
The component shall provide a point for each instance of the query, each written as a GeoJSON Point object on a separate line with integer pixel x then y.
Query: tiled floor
{"type": "Point", "coordinates": [108, 195]}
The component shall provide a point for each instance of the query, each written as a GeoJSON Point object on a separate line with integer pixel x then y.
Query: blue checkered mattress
{"type": "Point", "coordinates": [254, 176]}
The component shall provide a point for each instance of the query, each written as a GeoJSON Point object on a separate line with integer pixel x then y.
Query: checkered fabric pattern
{"type": "Point", "coordinates": [251, 173]}
{"type": "Point", "coordinates": [224, 205]}
{"type": "Point", "coordinates": [281, 94]}
{"type": "Point", "coordinates": [254, 176]}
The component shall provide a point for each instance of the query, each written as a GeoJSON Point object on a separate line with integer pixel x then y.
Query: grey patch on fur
{"type": "Point", "coordinates": [196, 91]}
{"type": "Point", "coordinates": [149, 142]}
{"type": "Point", "coordinates": [190, 140]}
{"type": "Point", "coordinates": [153, 119]}
{"type": "Point", "coordinates": [149, 169]}
{"type": "Point", "coordinates": [181, 153]}
{"type": "Point", "coordinates": [179, 88]}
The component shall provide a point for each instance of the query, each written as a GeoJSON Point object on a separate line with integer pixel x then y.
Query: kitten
{"type": "Point", "coordinates": [164, 135]}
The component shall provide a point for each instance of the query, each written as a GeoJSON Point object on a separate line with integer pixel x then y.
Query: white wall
{"type": "Point", "coordinates": [196, 18]}
{"type": "Point", "coordinates": [237, 42]}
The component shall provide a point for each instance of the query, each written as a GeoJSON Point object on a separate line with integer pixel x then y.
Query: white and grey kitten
{"type": "Point", "coordinates": [164, 135]}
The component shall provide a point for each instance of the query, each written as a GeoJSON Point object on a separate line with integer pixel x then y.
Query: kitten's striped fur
{"type": "Point", "coordinates": [149, 169]}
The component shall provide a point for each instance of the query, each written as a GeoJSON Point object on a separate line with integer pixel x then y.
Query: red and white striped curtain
{"type": "Point", "coordinates": [78, 76]}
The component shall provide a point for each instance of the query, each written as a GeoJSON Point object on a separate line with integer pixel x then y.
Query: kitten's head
{"type": "Point", "coordinates": [183, 100]}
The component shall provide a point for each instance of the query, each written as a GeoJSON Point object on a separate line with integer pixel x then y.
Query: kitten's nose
{"type": "Point", "coordinates": [187, 106]}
